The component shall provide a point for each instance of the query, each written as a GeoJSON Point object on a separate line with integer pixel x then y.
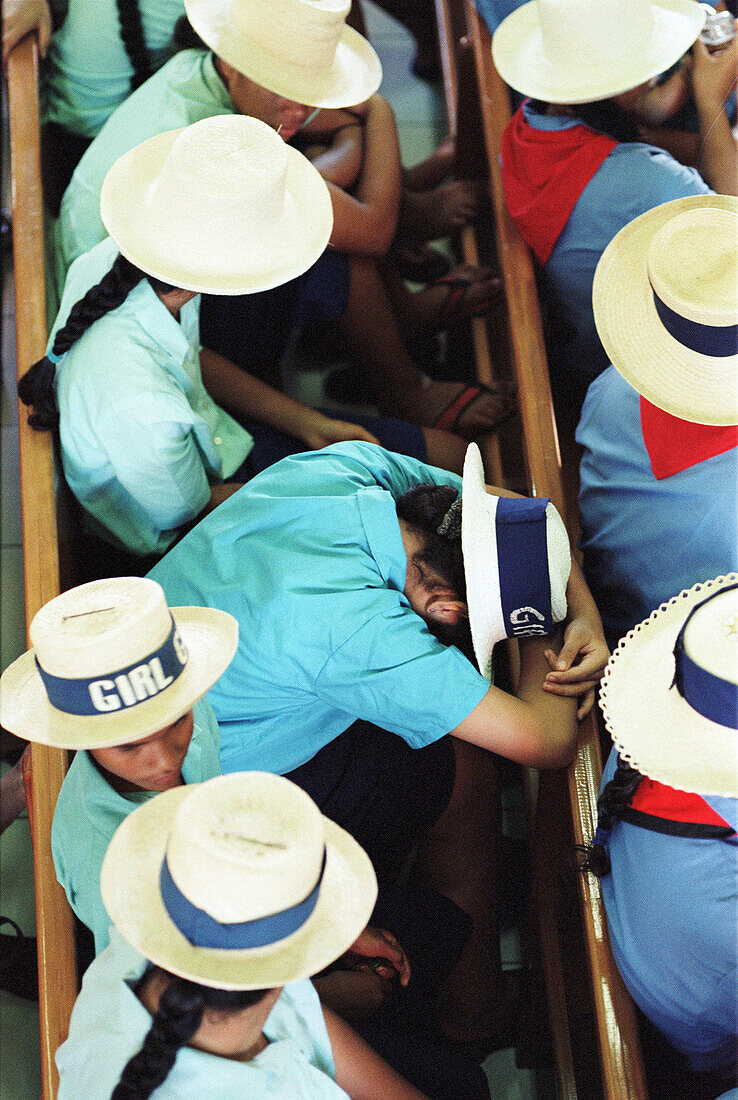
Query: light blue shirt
{"type": "Point", "coordinates": [634, 178]}
{"type": "Point", "coordinates": [87, 72]}
{"type": "Point", "coordinates": [309, 558]}
{"type": "Point", "coordinates": [141, 438]}
{"type": "Point", "coordinates": [672, 913]}
{"type": "Point", "coordinates": [88, 811]}
{"type": "Point", "coordinates": [185, 90]}
{"type": "Point", "coordinates": [644, 539]}
{"type": "Point", "coordinates": [109, 1023]}
{"type": "Point", "coordinates": [494, 11]}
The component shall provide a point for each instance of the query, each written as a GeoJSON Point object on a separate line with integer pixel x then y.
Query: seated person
{"type": "Point", "coordinates": [573, 168]}
{"type": "Point", "coordinates": [666, 848]}
{"type": "Point", "coordinates": [659, 472]}
{"type": "Point", "coordinates": [200, 993]}
{"type": "Point", "coordinates": [364, 152]}
{"type": "Point", "coordinates": [334, 566]}
{"type": "Point", "coordinates": [155, 430]}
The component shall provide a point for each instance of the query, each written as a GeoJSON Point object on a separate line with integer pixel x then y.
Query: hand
{"type": "Point", "coordinates": [579, 666]}
{"type": "Point", "coordinates": [22, 16]}
{"type": "Point", "coordinates": [376, 943]}
{"type": "Point", "coordinates": [713, 74]}
{"type": "Point", "coordinates": [321, 431]}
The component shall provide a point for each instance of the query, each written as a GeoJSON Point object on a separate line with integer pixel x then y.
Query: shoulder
{"type": "Point", "coordinates": [648, 176]}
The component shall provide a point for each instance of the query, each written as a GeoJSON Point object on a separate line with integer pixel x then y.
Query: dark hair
{"type": "Point", "coordinates": [36, 387]}
{"type": "Point", "coordinates": [616, 796]}
{"type": "Point", "coordinates": [178, 1017]}
{"type": "Point", "coordinates": [425, 508]}
{"type": "Point", "coordinates": [605, 116]}
{"type": "Point", "coordinates": [185, 37]}
{"type": "Point", "coordinates": [132, 36]}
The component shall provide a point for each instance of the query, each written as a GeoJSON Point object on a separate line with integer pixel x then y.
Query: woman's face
{"type": "Point", "coordinates": [283, 115]}
{"type": "Point", "coordinates": [152, 764]}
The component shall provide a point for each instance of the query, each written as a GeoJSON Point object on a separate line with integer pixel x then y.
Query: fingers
{"type": "Point", "coordinates": [571, 690]}
{"type": "Point", "coordinates": [585, 704]}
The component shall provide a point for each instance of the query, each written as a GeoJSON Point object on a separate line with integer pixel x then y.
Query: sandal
{"type": "Point", "coordinates": [457, 305]}
{"type": "Point", "coordinates": [449, 419]}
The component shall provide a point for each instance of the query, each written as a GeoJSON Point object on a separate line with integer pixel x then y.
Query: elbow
{"type": "Point", "coordinates": [552, 745]}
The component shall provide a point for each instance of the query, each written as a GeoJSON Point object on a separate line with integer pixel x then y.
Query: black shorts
{"type": "Point", "coordinates": [386, 794]}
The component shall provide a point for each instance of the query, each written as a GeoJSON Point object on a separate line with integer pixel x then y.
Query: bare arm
{"type": "Point", "coordinates": [359, 1070]}
{"type": "Point", "coordinates": [339, 160]}
{"type": "Point", "coordinates": [22, 16]}
{"type": "Point", "coordinates": [713, 81]}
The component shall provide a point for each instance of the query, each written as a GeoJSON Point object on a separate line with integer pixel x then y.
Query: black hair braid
{"type": "Point", "coordinates": [616, 796]}
{"type": "Point", "coordinates": [132, 35]}
{"type": "Point", "coordinates": [36, 387]}
{"type": "Point", "coordinates": [425, 508]}
{"type": "Point", "coordinates": [185, 37]}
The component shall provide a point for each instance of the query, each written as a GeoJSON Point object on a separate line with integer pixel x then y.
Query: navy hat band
{"type": "Point", "coordinates": [718, 341]}
{"type": "Point", "coordinates": [119, 690]}
{"type": "Point", "coordinates": [202, 930]}
{"type": "Point", "coordinates": [711, 696]}
{"type": "Point", "coordinates": [522, 560]}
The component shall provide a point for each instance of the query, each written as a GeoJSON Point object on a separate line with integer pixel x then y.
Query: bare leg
{"type": "Point", "coordinates": [445, 450]}
{"type": "Point", "coordinates": [433, 170]}
{"type": "Point", "coordinates": [460, 861]}
{"type": "Point", "coordinates": [428, 215]}
{"type": "Point", "coordinates": [12, 794]}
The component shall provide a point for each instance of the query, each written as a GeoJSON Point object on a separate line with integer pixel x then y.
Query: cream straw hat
{"type": "Point", "coordinates": [517, 562]}
{"type": "Point", "coordinates": [299, 49]}
{"type": "Point", "coordinates": [237, 883]}
{"type": "Point", "coordinates": [665, 300]}
{"type": "Point", "coordinates": [579, 51]}
{"type": "Point", "coordinates": [112, 664]}
{"type": "Point", "coordinates": [670, 692]}
{"type": "Point", "coordinates": [222, 206]}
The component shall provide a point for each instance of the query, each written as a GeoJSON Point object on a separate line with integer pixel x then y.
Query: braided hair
{"type": "Point", "coordinates": [616, 796]}
{"type": "Point", "coordinates": [177, 1018]}
{"type": "Point", "coordinates": [36, 387]}
{"type": "Point", "coordinates": [132, 36]}
{"type": "Point", "coordinates": [185, 36]}
{"type": "Point", "coordinates": [425, 508]}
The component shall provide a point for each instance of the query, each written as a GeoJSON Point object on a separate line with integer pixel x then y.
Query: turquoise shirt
{"type": "Point", "coordinates": [185, 90]}
{"type": "Point", "coordinates": [109, 1024]}
{"type": "Point", "coordinates": [88, 811]}
{"type": "Point", "coordinates": [87, 72]}
{"type": "Point", "coordinates": [141, 438]}
{"type": "Point", "coordinates": [309, 558]}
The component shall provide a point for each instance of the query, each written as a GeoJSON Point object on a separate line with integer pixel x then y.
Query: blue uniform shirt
{"type": "Point", "coordinates": [309, 558]}
{"type": "Point", "coordinates": [88, 811]}
{"type": "Point", "coordinates": [645, 539]}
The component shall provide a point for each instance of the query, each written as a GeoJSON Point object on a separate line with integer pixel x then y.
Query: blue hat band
{"type": "Point", "coordinates": [121, 690]}
{"type": "Point", "coordinates": [202, 930]}
{"type": "Point", "coordinates": [715, 340]}
{"type": "Point", "coordinates": [711, 696]}
{"type": "Point", "coordinates": [522, 562]}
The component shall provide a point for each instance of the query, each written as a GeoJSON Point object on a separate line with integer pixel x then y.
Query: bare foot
{"type": "Point", "coordinates": [433, 170]}
{"type": "Point", "coordinates": [466, 291]}
{"type": "Point", "coordinates": [468, 411]}
{"type": "Point", "coordinates": [429, 215]}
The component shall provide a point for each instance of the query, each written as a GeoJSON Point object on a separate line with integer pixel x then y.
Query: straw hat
{"type": "Point", "coordinates": [237, 883]}
{"type": "Point", "coordinates": [517, 562]}
{"type": "Point", "coordinates": [665, 300]}
{"type": "Point", "coordinates": [577, 51]}
{"type": "Point", "coordinates": [223, 206]}
{"type": "Point", "coordinates": [112, 664]}
{"type": "Point", "coordinates": [300, 49]}
{"type": "Point", "coordinates": [670, 691]}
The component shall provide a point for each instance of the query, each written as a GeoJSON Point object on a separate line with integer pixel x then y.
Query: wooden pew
{"type": "Point", "coordinates": [41, 558]}
{"type": "Point", "coordinates": [482, 112]}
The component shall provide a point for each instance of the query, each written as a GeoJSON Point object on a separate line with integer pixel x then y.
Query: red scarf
{"type": "Point", "coordinates": [674, 445]}
{"type": "Point", "coordinates": [543, 174]}
{"type": "Point", "coordinates": [669, 804]}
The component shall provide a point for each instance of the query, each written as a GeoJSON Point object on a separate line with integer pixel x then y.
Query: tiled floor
{"type": "Point", "coordinates": [421, 119]}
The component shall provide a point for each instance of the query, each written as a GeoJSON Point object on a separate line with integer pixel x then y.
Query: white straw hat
{"type": "Point", "coordinates": [222, 206]}
{"type": "Point", "coordinates": [517, 562]}
{"type": "Point", "coordinates": [670, 691]}
{"type": "Point", "coordinates": [237, 883]}
{"type": "Point", "coordinates": [665, 300]}
{"type": "Point", "coordinates": [579, 51]}
{"type": "Point", "coordinates": [299, 49]}
{"type": "Point", "coordinates": [111, 664]}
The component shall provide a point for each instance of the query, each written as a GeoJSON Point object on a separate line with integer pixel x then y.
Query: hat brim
{"type": "Point", "coordinates": [652, 726]}
{"type": "Point", "coordinates": [685, 383]}
{"type": "Point", "coordinates": [519, 57]}
{"type": "Point", "coordinates": [129, 883]}
{"type": "Point", "coordinates": [479, 548]}
{"type": "Point", "coordinates": [211, 638]}
{"type": "Point", "coordinates": [354, 76]}
{"type": "Point", "coordinates": [286, 249]}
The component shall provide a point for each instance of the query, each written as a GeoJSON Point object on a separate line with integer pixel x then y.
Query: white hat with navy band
{"type": "Point", "coordinates": [517, 562]}
{"type": "Point", "coordinates": [237, 883]}
{"type": "Point", "coordinates": [111, 663]}
{"type": "Point", "coordinates": [670, 691]}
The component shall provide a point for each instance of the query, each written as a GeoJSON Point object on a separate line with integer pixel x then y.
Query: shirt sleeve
{"type": "Point", "coordinates": [394, 673]}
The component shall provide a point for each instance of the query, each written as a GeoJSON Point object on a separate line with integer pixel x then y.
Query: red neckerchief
{"type": "Point", "coordinates": [674, 445]}
{"type": "Point", "coordinates": [543, 174]}
{"type": "Point", "coordinates": [656, 800]}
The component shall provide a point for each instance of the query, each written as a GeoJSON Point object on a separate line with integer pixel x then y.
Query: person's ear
{"type": "Point", "coordinates": [446, 607]}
